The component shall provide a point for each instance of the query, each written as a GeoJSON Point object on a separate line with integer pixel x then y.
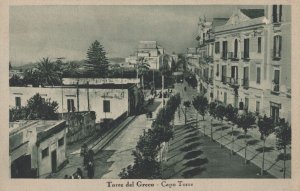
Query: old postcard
{"type": "Point", "coordinates": [149, 95]}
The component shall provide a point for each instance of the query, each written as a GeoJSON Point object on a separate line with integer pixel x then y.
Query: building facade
{"type": "Point", "coordinates": [109, 101]}
{"type": "Point", "coordinates": [37, 148]}
{"type": "Point", "coordinates": [252, 61]}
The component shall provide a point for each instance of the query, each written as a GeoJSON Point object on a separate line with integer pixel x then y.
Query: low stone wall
{"type": "Point", "coordinates": [79, 125]}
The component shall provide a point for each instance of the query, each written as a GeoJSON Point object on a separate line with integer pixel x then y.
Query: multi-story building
{"type": "Point", "coordinates": [205, 50]}
{"type": "Point", "coordinates": [252, 61]}
{"type": "Point", "coordinates": [151, 52]}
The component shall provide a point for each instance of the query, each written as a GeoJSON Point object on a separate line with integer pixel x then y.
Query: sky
{"type": "Point", "coordinates": [68, 31]}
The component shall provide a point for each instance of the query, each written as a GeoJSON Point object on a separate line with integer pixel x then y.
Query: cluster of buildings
{"type": "Point", "coordinates": [152, 53]}
{"type": "Point", "coordinates": [38, 147]}
{"type": "Point", "coordinates": [245, 60]}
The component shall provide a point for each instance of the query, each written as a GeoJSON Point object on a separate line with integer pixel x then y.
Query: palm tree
{"type": "Point", "coordinates": [49, 72]}
{"type": "Point", "coordinates": [284, 135]}
{"type": "Point", "coordinates": [266, 127]}
{"type": "Point", "coordinates": [245, 121]}
{"type": "Point", "coordinates": [142, 68]}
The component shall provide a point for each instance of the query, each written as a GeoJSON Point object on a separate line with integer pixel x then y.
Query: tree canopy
{"type": "Point", "coordinates": [36, 108]}
{"type": "Point", "coordinates": [96, 63]}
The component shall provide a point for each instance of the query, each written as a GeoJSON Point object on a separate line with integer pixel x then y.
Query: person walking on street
{"type": "Point", "coordinates": [90, 170]}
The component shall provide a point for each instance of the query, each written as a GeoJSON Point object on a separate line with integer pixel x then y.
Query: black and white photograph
{"type": "Point", "coordinates": [153, 92]}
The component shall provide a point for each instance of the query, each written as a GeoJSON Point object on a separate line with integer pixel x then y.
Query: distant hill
{"type": "Point", "coordinates": [115, 60]}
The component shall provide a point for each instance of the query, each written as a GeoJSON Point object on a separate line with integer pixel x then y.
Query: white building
{"type": "Point", "coordinates": [108, 100]}
{"type": "Point", "coordinates": [37, 148]}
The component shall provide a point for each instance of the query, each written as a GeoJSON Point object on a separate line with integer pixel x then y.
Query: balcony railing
{"type": "Point", "coordinates": [275, 88]}
{"type": "Point", "coordinates": [276, 54]}
{"type": "Point", "coordinates": [224, 55]}
{"type": "Point", "coordinates": [211, 80]}
{"type": "Point", "coordinates": [245, 83]}
{"type": "Point", "coordinates": [232, 81]}
{"type": "Point", "coordinates": [224, 79]}
{"type": "Point", "coordinates": [232, 57]}
{"type": "Point", "coordinates": [245, 56]}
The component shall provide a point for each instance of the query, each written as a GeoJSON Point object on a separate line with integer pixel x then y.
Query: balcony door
{"type": "Point", "coordinates": [246, 48]}
{"type": "Point", "coordinates": [276, 80]}
{"type": "Point", "coordinates": [246, 76]}
{"type": "Point", "coordinates": [235, 53]}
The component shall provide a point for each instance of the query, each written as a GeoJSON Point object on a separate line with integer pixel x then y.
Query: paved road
{"type": "Point", "coordinates": [118, 154]}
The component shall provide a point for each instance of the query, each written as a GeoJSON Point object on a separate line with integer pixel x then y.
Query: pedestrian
{"type": "Point", "coordinates": [90, 169]}
{"type": "Point", "coordinates": [79, 172]}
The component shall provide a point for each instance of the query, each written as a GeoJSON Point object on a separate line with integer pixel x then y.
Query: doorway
{"type": "Point", "coordinates": [53, 161]}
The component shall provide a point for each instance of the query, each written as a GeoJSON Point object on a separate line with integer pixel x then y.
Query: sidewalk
{"type": "Point", "coordinates": [222, 134]}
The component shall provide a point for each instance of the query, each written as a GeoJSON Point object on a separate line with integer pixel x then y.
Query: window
{"type": "Point", "coordinates": [235, 48]}
{"type": "Point", "coordinates": [258, 75]}
{"type": "Point", "coordinates": [224, 50]}
{"type": "Point", "coordinates": [224, 71]}
{"type": "Point", "coordinates": [18, 102]}
{"type": "Point", "coordinates": [106, 106]}
{"type": "Point", "coordinates": [70, 103]}
{"type": "Point", "coordinates": [225, 98]}
{"type": "Point", "coordinates": [277, 13]}
{"type": "Point", "coordinates": [259, 44]}
{"type": "Point", "coordinates": [61, 142]}
{"type": "Point", "coordinates": [257, 106]}
{"type": "Point", "coordinates": [275, 82]}
{"type": "Point", "coordinates": [246, 103]}
{"type": "Point", "coordinates": [45, 152]}
{"type": "Point", "coordinates": [246, 48]}
{"type": "Point", "coordinates": [217, 47]}
{"type": "Point", "coordinates": [277, 46]}
{"type": "Point", "coordinates": [217, 74]}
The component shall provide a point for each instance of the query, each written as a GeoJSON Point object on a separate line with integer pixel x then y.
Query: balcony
{"type": "Point", "coordinates": [276, 54]}
{"type": "Point", "coordinates": [211, 81]}
{"type": "Point", "coordinates": [275, 89]}
{"type": "Point", "coordinates": [224, 80]}
{"type": "Point", "coordinates": [234, 82]}
{"type": "Point", "coordinates": [224, 56]}
{"type": "Point", "coordinates": [245, 56]}
{"type": "Point", "coordinates": [245, 83]}
{"type": "Point", "coordinates": [232, 57]}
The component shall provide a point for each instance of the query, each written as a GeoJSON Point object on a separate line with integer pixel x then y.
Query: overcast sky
{"type": "Point", "coordinates": [68, 31]}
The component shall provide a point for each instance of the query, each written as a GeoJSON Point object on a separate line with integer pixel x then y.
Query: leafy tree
{"type": "Point", "coordinates": [36, 108]}
{"type": "Point", "coordinates": [200, 103]}
{"type": "Point", "coordinates": [231, 115]}
{"type": "Point", "coordinates": [284, 135]}
{"type": "Point", "coordinates": [32, 76]}
{"type": "Point", "coordinates": [71, 69]}
{"type": "Point", "coordinates": [266, 127]}
{"type": "Point", "coordinates": [96, 63]}
{"type": "Point", "coordinates": [49, 72]}
{"type": "Point", "coordinates": [220, 113]}
{"type": "Point", "coordinates": [186, 104]}
{"type": "Point", "coordinates": [15, 80]}
{"type": "Point", "coordinates": [246, 121]}
{"type": "Point", "coordinates": [212, 112]}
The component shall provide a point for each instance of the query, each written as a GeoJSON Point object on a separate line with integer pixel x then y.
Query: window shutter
{"type": "Point", "coordinates": [276, 76]}
{"type": "Point", "coordinates": [280, 13]}
{"type": "Point", "coordinates": [274, 46]}
{"type": "Point", "coordinates": [274, 13]}
{"type": "Point", "coordinates": [279, 46]}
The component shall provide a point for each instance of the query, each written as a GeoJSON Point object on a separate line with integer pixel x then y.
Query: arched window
{"type": "Point", "coordinates": [235, 48]}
